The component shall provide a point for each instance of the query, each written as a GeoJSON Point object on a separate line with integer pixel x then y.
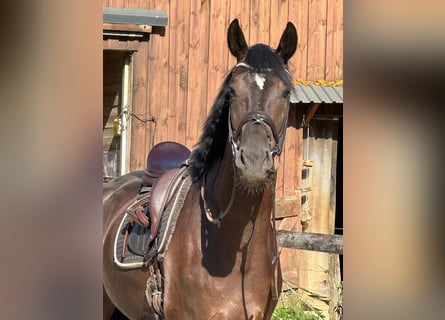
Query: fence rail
{"type": "Point", "coordinates": [330, 243]}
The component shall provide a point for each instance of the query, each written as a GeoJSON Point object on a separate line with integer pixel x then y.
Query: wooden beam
{"type": "Point", "coordinates": [118, 44]}
{"type": "Point", "coordinates": [127, 27]}
{"type": "Point", "coordinates": [330, 243]}
{"type": "Point", "coordinates": [311, 112]}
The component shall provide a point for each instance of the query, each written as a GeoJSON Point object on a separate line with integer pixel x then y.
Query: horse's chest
{"type": "Point", "coordinates": [210, 279]}
{"type": "Point", "coordinates": [230, 296]}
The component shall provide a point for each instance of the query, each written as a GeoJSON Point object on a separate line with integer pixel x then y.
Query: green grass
{"type": "Point", "coordinates": [292, 306]}
{"type": "Point", "coordinates": [288, 313]}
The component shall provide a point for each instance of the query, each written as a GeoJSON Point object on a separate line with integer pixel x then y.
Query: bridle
{"type": "Point", "coordinates": [256, 117]}
{"type": "Point", "coordinates": [251, 117]}
{"type": "Point", "coordinates": [260, 117]}
{"type": "Point", "coordinates": [264, 119]}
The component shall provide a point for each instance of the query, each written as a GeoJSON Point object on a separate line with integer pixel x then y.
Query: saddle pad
{"type": "Point", "coordinates": [167, 227]}
{"type": "Point", "coordinates": [131, 260]}
{"type": "Point", "coordinates": [139, 239]}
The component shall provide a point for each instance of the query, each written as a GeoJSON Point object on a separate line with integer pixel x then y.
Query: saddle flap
{"type": "Point", "coordinates": [162, 192]}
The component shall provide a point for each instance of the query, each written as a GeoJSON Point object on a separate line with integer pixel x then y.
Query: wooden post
{"type": "Point", "coordinates": [311, 112]}
{"type": "Point", "coordinates": [335, 291]}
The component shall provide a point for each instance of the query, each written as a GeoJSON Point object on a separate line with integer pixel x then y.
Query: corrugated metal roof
{"type": "Point", "coordinates": [135, 16]}
{"type": "Point", "coordinates": [316, 94]}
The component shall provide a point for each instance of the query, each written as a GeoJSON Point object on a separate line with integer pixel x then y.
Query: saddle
{"type": "Point", "coordinates": [163, 157]}
{"type": "Point", "coordinates": [160, 181]}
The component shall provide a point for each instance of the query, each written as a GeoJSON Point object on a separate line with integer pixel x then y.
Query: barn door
{"type": "Point", "coordinates": [116, 102]}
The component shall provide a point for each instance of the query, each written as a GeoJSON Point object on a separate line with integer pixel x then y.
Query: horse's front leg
{"type": "Point", "coordinates": [108, 306]}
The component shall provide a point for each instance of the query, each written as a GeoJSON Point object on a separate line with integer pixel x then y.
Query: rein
{"type": "Point", "coordinates": [207, 210]}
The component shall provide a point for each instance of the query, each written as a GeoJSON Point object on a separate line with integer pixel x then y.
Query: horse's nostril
{"type": "Point", "coordinates": [243, 161]}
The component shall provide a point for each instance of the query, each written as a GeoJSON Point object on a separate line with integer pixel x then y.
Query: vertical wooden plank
{"type": "Point", "coordinates": [158, 104]}
{"type": "Point", "coordinates": [260, 21]}
{"type": "Point", "coordinates": [322, 150]}
{"type": "Point", "coordinates": [289, 179]}
{"type": "Point", "coordinates": [290, 157]}
{"type": "Point", "coordinates": [338, 36]}
{"type": "Point", "coordinates": [279, 16]}
{"type": "Point", "coordinates": [241, 11]}
{"type": "Point", "coordinates": [334, 41]}
{"type": "Point", "coordinates": [330, 67]}
{"type": "Point", "coordinates": [140, 89]}
{"type": "Point", "coordinates": [116, 3]}
{"type": "Point", "coordinates": [279, 12]}
{"type": "Point", "coordinates": [198, 66]}
{"type": "Point", "coordinates": [317, 36]}
{"type": "Point", "coordinates": [254, 21]}
{"type": "Point", "coordinates": [289, 259]}
{"type": "Point", "coordinates": [299, 163]}
{"type": "Point", "coordinates": [144, 4]}
{"type": "Point", "coordinates": [298, 14]}
{"type": "Point", "coordinates": [139, 108]}
{"type": "Point", "coordinates": [178, 78]}
{"type": "Point", "coordinates": [335, 290]}
{"type": "Point", "coordinates": [218, 51]}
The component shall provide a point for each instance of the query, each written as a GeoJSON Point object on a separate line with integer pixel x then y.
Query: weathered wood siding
{"type": "Point", "coordinates": [321, 142]}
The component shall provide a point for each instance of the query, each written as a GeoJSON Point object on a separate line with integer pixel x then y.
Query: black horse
{"type": "Point", "coordinates": [222, 259]}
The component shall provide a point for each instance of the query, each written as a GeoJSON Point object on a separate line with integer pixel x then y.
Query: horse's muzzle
{"type": "Point", "coordinates": [254, 165]}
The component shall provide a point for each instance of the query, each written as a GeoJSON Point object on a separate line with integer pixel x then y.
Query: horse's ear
{"type": "Point", "coordinates": [288, 42]}
{"type": "Point", "coordinates": [237, 43]}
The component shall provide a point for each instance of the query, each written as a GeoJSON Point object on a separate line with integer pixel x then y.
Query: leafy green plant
{"type": "Point", "coordinates": [286, 313]}
{"type": "Point", "coordinates": [292, 306]}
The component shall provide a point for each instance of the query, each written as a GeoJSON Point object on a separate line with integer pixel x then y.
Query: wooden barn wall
{"type": "Point", "coordinates": [321, 145]}
{"type": "Point", "coordinates": [179, 69]}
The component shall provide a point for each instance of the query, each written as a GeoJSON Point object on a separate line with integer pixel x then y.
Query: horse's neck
{"type": "Point", "coordinates": [249, 208]}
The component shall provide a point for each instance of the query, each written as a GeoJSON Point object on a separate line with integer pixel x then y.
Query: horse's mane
{"type": "Point", "coordinates": [212, 143]}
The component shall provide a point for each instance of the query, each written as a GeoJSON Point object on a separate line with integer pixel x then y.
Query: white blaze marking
{"type": "Point", "coordinates": [260, 79]}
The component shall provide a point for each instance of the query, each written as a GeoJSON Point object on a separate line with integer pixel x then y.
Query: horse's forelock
{"type": "Point", "coordinates": [263, 58]}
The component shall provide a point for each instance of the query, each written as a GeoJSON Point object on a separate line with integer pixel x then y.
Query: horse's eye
{"type": "Point", "coordinates": [286, 93]}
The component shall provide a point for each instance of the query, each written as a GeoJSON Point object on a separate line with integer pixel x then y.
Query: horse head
{"type": "Point", "coordinates": [260, 87]}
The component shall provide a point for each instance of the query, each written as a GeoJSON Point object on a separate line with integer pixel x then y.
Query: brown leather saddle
{"type": "Point", "coordinates": [160, 181]}
{"type": "Point", "coordinates": [163, 157]}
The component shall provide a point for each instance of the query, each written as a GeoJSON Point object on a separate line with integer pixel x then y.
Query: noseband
{"type": "Point", "coordinates": [256, 117]}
